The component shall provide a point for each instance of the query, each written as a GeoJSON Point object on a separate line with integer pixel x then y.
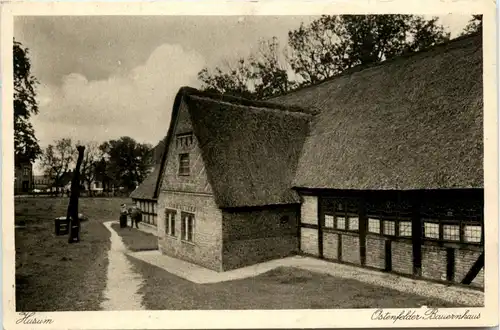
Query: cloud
{"type": "Point", "coordinates": [136, 103]}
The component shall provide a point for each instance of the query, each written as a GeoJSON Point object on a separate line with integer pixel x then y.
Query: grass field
{"type": "Point", "coordinates": [281, 288]}
{"type": "Point", "coordinates": [52, 275]}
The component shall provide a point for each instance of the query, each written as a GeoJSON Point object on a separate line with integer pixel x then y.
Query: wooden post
{"type": "Point", "coordinates": [450, 264]}
{"type": "Point", "coordinates": [416, 235]}
{"type": "Point", "coordinates": [388, 255]}
{"type": "Point", "coordinates": [72, 214]}
{"type": "Point", "coordinates": [362, 229]}
{"type": "Point", "coordinates": [321, 222]}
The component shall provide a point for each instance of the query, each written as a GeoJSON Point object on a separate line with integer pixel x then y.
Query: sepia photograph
{"type": "Point", "coordinates": [250, 162]}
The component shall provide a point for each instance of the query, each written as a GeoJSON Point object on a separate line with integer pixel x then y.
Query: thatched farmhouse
{"type": "Point", "coordinates": [226, 199]}
{"type": "Point", "coordinates": [145, 196]}
{"type": "Point", "coordinates": [380, 167]}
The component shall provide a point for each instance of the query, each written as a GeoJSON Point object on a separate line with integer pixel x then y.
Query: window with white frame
{"type": "Point", "coordinates": [431, 230]}
{"type": "Point", "coordinates": [374, 225]}
{"type": "Point", "coordinates": [170, 216]}
{"type": "Point", "coordinates": [353, 223]}
{"type": "Point", "coordinates": [343, 214]}
{"type": "Point", "coordinates": [329, 221]}
{"type": "Point", "coordinates": [389, 215]}
{"type": "Point", "coordinates": [187, 226]}
{"type": "Point", "coordinates": [389, 227]}
{"type": "Point", "coordinates": [472, 233]}
{"type": "Point", "coordinates": [454, 218]}
{"type": "Point", "coordinates": [340, 222]}
{"type": "Point", "coordinates": [451, 232]}
{"type": "Point", "coordinates": [405, 228]}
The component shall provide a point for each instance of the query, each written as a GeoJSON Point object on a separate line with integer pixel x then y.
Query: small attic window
{"type": "Point", "coordinates": [184, 140]}
{"type": "Point", "coordinates": [184, 164]}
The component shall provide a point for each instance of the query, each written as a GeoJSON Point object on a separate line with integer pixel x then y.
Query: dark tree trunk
{"type": "Point", "coordinates": [72, 215]}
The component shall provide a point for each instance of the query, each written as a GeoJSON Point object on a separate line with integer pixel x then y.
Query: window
{"type": "Point", "coordinates": [340, 223]}
{"type": "Point", "coordinates": [184, 140]}
{"type": "Point", "coordinates": [187, 226]}
{"type": "Point", "coordinates": [431, 230]}
{"type": "Point", "coordinates": [353, 223]}
{"type": "Point", "coordinates": [374, 226]}
{"type": "Point", "coordinates": [389, 228]}
{"type": "Point", "coordinates": [26, 171]}
{"type": "Point", "coordinates": [405, 228]}
{"type": "Point", "coordinates": [472, 234]}
{"type": "Point", "coordinates": [170, 222]}
{"type": "Point", "coordinates": [342, 214]}
{"type": "Point", "coordinates": [451, 232]}
{"type": "Point", "coordinates": [329, 221]}
{"type": "Point", "coordinates": [184, 164]}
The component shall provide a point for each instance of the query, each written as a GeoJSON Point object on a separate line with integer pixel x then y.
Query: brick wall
{"type": "Point", "coordinates": [350, 249]}
{"type": "Point", "coordinates": [375, 252]}
{"type": "Point", "coordinates": [309, 210]}
{"type": "Point", "coordinates": [330, 245]}
{"type": "Point", "coordinates": [479, 280]}
{"type": "Point", "coordinates": [197, 181]}
{"type": "Point", "coordinates": [255, 236]}
{"type": "Point", "coordinates": [206, 250]}
{"type": "Point", "coordinates": [434, 262]}
{"type": "Point", "coordinates": [402, 257]}
{"type": "Point", "coordinates": [464, 259]}
{"type": "Point", "coordinates": [309, 241]}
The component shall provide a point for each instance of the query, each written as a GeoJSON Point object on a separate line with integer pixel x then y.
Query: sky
{"type": "Point", "coordinates": [103, 77]}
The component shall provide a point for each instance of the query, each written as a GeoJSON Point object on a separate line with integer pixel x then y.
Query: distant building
{"type": "Point", "coordinates": [145, 197]}
{"type": "Point", "coordinates": [23, 177]}
{"type": "Point", "coordinates": [41, 183]}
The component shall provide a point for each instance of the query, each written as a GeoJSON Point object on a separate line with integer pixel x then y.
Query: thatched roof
{"type": "Point", "coordinates": [414, 122]}
{"type": "Point", "coordinates": [146, 190]}
{"type": "Point", "coordinates": [250, 153]}
{"type": "Point", "coordinates": [250, 150]}
{"type": "Point", "coordinates": [157, 151]}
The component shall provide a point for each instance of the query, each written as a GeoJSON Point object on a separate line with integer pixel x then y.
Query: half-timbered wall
{"type": "Point", "coordinates": [435, 235]}
{"type": "Point", "coordinates": [149, 210]}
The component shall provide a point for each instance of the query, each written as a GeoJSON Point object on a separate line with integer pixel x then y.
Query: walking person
{"type": "Point", "coordinates": [123, 216]}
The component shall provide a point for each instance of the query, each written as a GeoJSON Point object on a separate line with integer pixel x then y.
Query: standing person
{"type": "Point", "coordinates": [123, 216]}
{"type": "Point", "coordinates": [136, 216]}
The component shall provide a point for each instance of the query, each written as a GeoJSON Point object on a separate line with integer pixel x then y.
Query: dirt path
{"type": "Point", "coordinates": [123, 283]}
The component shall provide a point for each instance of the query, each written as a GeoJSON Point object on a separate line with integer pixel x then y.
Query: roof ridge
{"type": "Point", "coordinates": [361, 67]}
{"type": "Point", "coordinates": [271, 107]}
{"type": "Point", "coordinates": [223, 97]}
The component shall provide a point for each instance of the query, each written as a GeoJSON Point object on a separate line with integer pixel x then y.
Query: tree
{"type": "Point", "coordinates": [129, 162]}
{"type": "Point", "coordinates": [91, 158]}
{"type": "Point", "coordinates": [56, 161]}
{"type": "Point", "coordinates": [233, 79]}
{"type": "Point", "coordinates": [475, 24]}
{"type": "Point", "coordinates": [264, 73]}
{"type": "Point", "coordinates": [103, 172]}
{"type": "Point", "coordinates": [333, 44]}
{"type": "Point", "coordinates": [26, 145]}
{"type": "Point", "coordinates": [270, 72]}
